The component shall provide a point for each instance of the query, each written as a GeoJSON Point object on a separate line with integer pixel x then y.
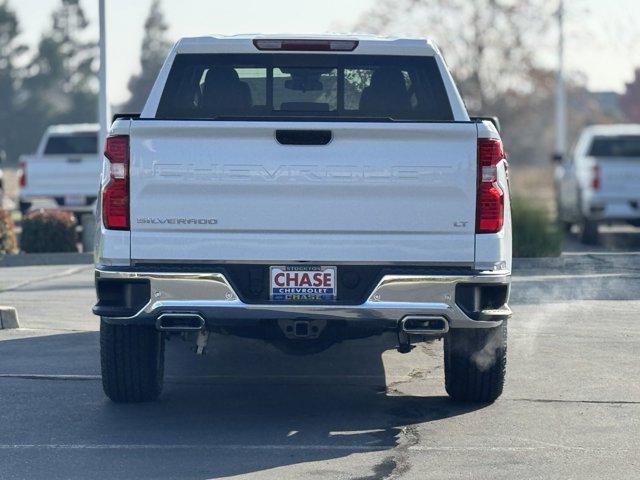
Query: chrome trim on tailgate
{"type": "Point", "coordinates": [394, 297]}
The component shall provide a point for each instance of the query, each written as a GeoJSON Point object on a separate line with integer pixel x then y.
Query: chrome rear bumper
{"type": "Point", "coordinates": [393, 298]}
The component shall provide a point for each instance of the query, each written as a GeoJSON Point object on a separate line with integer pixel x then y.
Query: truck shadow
{"type": "Point", "coordinates": [243, 409]}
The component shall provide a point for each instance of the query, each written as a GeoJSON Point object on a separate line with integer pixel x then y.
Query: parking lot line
{"type": "Point", "coordinates": [286, 447]}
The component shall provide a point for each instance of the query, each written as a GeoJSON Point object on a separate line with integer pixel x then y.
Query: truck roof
{"type": "Point", "coordinates": [613, 129]}
{"type": "Point", "coordinates": [67, 129]}
{"type": "Point", "coordinates": [368, 44]}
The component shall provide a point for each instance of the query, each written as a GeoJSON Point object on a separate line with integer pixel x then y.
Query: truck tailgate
{"type": "Point", "coordinates": [619, 177]}
{"type": "Point", "coordinates": [228, 191]}
{"type": "Point", "coordinates": [60, 175]}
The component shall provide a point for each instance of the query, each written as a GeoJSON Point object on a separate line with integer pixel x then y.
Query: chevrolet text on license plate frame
{"type": "Point", "coordinates": [303, 283]}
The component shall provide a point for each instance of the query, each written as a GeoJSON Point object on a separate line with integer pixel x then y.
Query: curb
{"type": "Point", "coordinates": [34, 259]}
{"type": "Point", "coordinates": [541, 262]}
{"type": "Point", "coordinates": [8, 318]}
{"type": "Point", "coordinates": [580, 262]}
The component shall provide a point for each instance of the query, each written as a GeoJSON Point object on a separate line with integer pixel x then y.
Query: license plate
{"type": "Point", "coordinates": [303, 283]}
{"type": "Point", "coordinates": [75, 200]}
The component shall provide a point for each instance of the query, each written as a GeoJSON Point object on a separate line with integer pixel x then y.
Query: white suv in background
{"type": "Point", "coordinates": [600, 182]}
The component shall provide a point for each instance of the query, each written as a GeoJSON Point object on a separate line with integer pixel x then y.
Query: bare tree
{"type": "Point", "coordinates": [498, 51]}
{"type": "Point", "coordinates": [630, 101]}
{"type": "Point", "coordinates": [491, 45]}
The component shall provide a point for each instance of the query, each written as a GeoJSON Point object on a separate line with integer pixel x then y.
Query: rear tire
{"type": "Point", "coordinates": [589, 233]}
{"type": "Point", "coordinates": [132, 361]}
{"type": "Point", "coordinates": [475, 362]}
{"type": "Point", "coordinates": [24, 207]}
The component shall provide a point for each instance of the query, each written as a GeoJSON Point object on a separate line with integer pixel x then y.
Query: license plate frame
{"type": "Point", "coordinates": [316, 286]}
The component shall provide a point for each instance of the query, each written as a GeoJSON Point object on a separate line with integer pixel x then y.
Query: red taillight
{"type": "Point", "coordinates": [299, 45]}
{"type": "Point", "coordinates": [22, 173]}
{"type": "Point", "coordinates": [115, 194]}
{"type": "Point", "coordinates": [490, 197]}
{"type": "Point", "coordinates": [595, 181]}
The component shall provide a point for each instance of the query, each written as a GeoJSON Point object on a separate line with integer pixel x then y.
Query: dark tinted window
{"type": "Point", "coordinates": [332, 87]}
{"type": "Point", "coordinates": [77, 144]}
{"type": "Point", "coordinates": [622, 146]}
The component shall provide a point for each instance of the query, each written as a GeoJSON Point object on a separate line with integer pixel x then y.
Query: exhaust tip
{"type": "Point", "coordinates": [424, 325]}
{"type": "Point", "coordinates": [180, 322]}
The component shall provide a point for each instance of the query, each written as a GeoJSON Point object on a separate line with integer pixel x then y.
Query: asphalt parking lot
{"type": "Point", "coordinates": [571, 407]}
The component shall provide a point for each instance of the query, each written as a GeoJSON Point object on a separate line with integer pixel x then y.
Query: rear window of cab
{"type": "Point", "coordinates": [312, 87]}
{"type": "Point", "coordinates": [75, 144]}
{"type": "Point", "coordinates": [626, 146]}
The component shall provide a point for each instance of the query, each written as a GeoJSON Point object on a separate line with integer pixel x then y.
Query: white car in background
{"type": "Point", "coordinates": [600, 182]}
{"type": "Point", "coordinates": [65, 169]}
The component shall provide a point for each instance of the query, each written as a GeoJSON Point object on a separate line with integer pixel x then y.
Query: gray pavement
{"type": "Point", "coordinates": [571, 408]}
{"type": "Point", "coordinates": [613, 238]}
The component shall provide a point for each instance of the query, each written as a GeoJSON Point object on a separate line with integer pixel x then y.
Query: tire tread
{"type": "Point", "coordinates": [465, 380]}
{"type": "Point", "coordinates": [132, 362]}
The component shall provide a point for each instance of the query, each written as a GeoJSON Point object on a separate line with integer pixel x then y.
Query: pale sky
{"type": "Point", "coordinates": [602, 41]}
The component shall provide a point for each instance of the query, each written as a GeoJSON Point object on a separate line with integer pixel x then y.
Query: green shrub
{"type": "Point", "coordinates": [7, 233]}
{"type": "Point", "coordinates": [535, 234]}
{"type": "Point", "coordinates": [48, 231]}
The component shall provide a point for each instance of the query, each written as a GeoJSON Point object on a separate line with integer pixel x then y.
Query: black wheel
{"type": "Point", "coordinates": [589, 232]}
{"type": "Point", "coordinates": [475, 362]}
{"type": "Point", "coordinates": [132, 361]}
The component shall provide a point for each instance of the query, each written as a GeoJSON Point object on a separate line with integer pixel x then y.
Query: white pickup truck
{"type": "Point", "coordinates": [65, 169]}
{"type": "Point", "coordinates": [600, 182]}
{"type": "Point", "coordinates": [304, 191]}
